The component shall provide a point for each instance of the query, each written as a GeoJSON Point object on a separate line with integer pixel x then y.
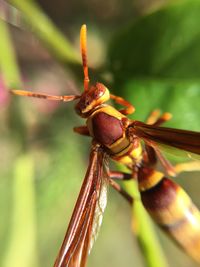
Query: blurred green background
{"type": "Point", "coordinates": [146, 51]}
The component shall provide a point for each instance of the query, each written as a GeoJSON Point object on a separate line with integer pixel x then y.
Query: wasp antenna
{"type": "Point", "coordinates": [83, 43]}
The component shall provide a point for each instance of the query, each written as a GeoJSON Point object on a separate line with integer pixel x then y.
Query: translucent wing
{"type": "Point", "coordinates": [87, 215]}
{"type": "Point", "coordinates": [167, 138]}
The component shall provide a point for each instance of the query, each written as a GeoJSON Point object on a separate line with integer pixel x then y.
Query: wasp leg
{"type": "Point", "coordinates": [187, 166]}
{"type": "Point", "coordinates": [117, 175]}
{"type": "Point", "coordinates": [120, 176]}
{"type": "Point", "coordinates": [156, 119]}
{"type": "Point", "coordinates": [121, 191]}
{"type": "Point", "coordinates": [152, 153]}
{"type": "Point", "coordinates": [83, 130]}
{"type": "Point", "coordinates": [169, 168]}
{"type": "Point", "coordinates": [119, 100]}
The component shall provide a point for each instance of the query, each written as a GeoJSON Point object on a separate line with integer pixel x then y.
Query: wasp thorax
{"type": "Point", "coordinates": [90, 99]}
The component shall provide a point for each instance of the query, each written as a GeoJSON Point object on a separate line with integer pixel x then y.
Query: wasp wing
{"type": "Point", "coordinates": [87, 215]}
{"type": "Point", "coordinates": [188, 141]}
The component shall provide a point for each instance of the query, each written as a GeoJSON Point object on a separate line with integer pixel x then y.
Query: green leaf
{"type": "Point", "coordinates": [180, 98]}
{"type": "Point", "coordinates": [8, 64]}
{"type": "Point", "coordinates": [156, 63]}
{"type": "Point", "coordinates": [22, 246]}
{"type": "Point", "coordinates": [165, 43]}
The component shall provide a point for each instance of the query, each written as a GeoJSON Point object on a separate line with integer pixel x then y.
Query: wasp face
{"type": "Point", "coordinates": [90, 99]}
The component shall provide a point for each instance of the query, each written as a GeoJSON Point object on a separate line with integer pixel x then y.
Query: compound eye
{"type": "Point", "coordinates": [100, 90]}
{"type": "Point", "coordinates": [87, 101]}
{"type": "Point", "coordinates": [103, 92]}
{"type": "Point", "coordinates": [91, 99]}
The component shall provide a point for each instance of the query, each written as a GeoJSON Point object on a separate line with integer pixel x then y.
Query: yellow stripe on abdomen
{"type": "Point", "coordinates": [186, 232]}
{"type": "Point", "coordinates": [171, 207]}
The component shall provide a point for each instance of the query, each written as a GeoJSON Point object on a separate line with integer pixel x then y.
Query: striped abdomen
{"type": "Point", "coordinates": [172, 209]}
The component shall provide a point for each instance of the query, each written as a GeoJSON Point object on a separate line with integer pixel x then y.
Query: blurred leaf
{"type": "Point", "coordinates": [8, 65]}
{"type": "Point", "coordinates": [22, 245]}
{"type": "Point", "coordinates": [179, 98]}
{"type": "Point", "coordinates": [156, 63]}
{"type": "Point", "coordinates": [163, 44]}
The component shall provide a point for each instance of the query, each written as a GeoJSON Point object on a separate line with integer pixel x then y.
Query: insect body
{"type": "Point", "coordinates": [171, 207]}
{"type": "Point", "coordinates": [117, 137]}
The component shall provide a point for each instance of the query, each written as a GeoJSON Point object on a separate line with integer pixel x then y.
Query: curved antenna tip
{"type": "Point", "coordinates": [83, 36]}
{"type": "Point", "coordinates": [84, 26]}
{"type": "Point", "coordinates": [83, 43]}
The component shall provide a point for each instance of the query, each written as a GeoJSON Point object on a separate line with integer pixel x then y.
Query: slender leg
{"type": "Point", "coordinates": [120, 176]}
{"type": "Point", "coordinates": [154, 152]}
{"type": "Point", "coordinates": [117, 175]}
{"type": "Point", "coordinates": [129, 107]}
{"type": "Point", "coordinates": [64, 98]}
{"type": "Point", "coordinates": [120, 190]}
{"type": "Point", "coordinates": [169, 168]}
{"type": "Point", "coordinates": [153, 116]}
{"type": "Point", "coordinates": [188, 166]}
{"type": "Point", "coordinates": [156, 119]}
{"type": "Point", "coordinates": [163, 118]}
{"type": "Point", "coordinates": [181, 167]}
{"type": "Point", "coordinates": [83, 130]}
{"type": "Point", "coordinates": [149, 156]}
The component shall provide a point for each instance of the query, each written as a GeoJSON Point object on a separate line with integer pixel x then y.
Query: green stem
{"type": "Point", "coordinates": [8, 64]}
{"type": "Point", "coordinates": [22, 244]}
{"type": "Point", "coordinates": [47, 32]}
{"type": "Point", "coordinates": [22, 236]}
{"type": "Point", "coordinates": [143, 229]}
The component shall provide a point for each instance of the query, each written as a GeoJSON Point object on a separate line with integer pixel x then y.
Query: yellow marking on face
{"type": "Point", "coordinates": [112, 112]}
{"type": "Point", "coordinates": [105, 97]}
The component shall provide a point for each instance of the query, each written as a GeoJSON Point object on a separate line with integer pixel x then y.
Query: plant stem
{"type": "Point", "coordinates": [22, 244]}
{"type": "Point", "coordinates": [8, 65]}
{"type": "Point", "coordinates": [143, 229]}
{"type": "Point", "coordinates": [47, 32]}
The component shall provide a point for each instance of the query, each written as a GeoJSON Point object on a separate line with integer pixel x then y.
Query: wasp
{"type": "Point", "coordinates": [137, 145]}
